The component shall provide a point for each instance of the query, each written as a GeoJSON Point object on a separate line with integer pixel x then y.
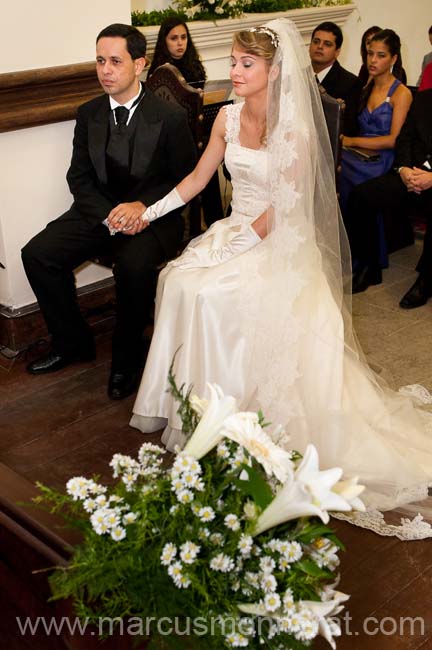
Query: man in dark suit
{"type": "Point", "coordinates": [407, 187]}
{"type": "Point", "coordinates": [130, 148]}
{"type": "Point", "coordinates": [324, 50]}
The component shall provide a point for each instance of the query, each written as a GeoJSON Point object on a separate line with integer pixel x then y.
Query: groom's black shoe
{"type": "Point", "coordinates": [122, 384]}
{"type": "Point", "coordinates": [417, 295]}
{"type": "Point", "coordinates": [364, 277]}
{"type": "Point", "coordinates": [54, 361]}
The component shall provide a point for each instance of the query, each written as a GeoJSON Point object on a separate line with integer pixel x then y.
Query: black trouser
{"type": "Point", "coordinates": [388, 194]}
{"type": "Point", "coordinates": [49, 260]}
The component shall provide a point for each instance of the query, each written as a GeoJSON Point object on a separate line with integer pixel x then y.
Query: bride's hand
{"type": "Point", "coordinates": [202, 257]}
{"type": "Point", "coordinates": [187, 260]}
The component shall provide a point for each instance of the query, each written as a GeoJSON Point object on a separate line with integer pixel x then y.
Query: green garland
{"type": "Point", "coordinates": [145, 19]}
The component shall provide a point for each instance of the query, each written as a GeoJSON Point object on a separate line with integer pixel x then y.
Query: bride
{"type": "Point", "coordinates": [257, 302]}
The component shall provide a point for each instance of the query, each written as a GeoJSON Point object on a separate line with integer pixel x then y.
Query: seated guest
{"type": "Point", "coordinates": [324, 50]}
{"type": "Point", "coordinates": [407, 186]}
{"type": "Point", "coordinates": [383, 108]}
{"type": "Point", "coordinates": [363, 75]}
{"type": "Point", "coordinates": [427, 57]}
{"type": "Point", "coordinates": [174, 45]}
{"type": "Point", "coordinates": [112, 182]}
{"type": "Point", "coordinates": [426, 78]}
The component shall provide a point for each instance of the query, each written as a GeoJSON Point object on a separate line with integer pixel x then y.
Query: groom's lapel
{"type": "Point", "coordinates": [147, 133]}
{"type": "Point", "coordinates": [97, 138]}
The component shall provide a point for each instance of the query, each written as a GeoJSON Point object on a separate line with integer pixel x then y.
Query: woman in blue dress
{"type": "Point", "coordinates": [383, 107]}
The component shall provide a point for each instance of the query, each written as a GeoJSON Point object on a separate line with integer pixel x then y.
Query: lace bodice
{"type": "Point", "coordinates": [248, 169]}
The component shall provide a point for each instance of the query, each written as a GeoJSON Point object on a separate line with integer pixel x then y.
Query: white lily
{"type": "Point", "coordinates": [256, 609]}
{"type": "Point", "coordinates": [198, 404]}
{"type": "Point", "coordinates": [245, 429]}
{"type": "Point", "coordinates": [208, 432]}
{"type": "Point", "coordinates": [308, 493]}
{"type": "Point", "coordinates": [350, 490]}
{"type": "Point", "coordinates": [327, 627]}
{"type": "Point", "coordinates": [320, 484]}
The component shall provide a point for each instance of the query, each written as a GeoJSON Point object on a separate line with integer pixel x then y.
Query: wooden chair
{"type": "Point", "coordinates": [168, 84]}
{"type": "Point", "coordinates": [334, 115]}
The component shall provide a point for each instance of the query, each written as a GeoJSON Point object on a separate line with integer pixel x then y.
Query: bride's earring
{"type": "Point", "coordinates": [391, 68]}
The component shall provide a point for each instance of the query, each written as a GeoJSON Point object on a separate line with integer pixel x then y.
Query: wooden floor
{"type": "Point", "coordinates": [60, 425]}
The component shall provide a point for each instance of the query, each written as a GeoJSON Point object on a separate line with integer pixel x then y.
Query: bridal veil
{"type": "Point", "coordinates": [304, 361]}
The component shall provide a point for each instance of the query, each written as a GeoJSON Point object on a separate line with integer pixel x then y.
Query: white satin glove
{"type": "Point", "coordinates": [169, 202]}
{"type": "Point", "coordinates": [202, 257]}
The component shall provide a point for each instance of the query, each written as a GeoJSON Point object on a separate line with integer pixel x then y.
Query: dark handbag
{"type": "Point", "coordinates": [367, 155]}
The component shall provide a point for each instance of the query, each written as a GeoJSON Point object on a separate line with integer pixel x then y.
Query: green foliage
{"type": "Point", "coordinates": [187, 414]}
{"type": "Point", "coordinates": [143, 18]}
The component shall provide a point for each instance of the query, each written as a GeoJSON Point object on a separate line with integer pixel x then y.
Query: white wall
{"type": "Point", "coordinates": [410, 19]}
{"type": "Point", "coordinates": [33, 162]}
{"type": "Point", "coordinates": [150, 5]}
{"type": "Point", "coordinates": [42, 33]}
{"type": "Point", "coordinates": [34, 191]}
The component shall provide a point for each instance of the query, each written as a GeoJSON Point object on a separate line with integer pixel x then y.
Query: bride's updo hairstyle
{"type": "Point", "coordinates": [257, 41]}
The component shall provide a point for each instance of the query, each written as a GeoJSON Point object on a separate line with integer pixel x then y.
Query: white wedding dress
{"type": "Point", "coordinates": [196, 309]}
{"type": "Point", "coordinates": [304, 376]}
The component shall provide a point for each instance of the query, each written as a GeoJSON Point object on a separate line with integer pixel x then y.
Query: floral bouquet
{"type": "Point", "coordinates": [231, 539]}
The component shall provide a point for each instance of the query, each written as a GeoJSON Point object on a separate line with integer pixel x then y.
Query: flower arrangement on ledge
{"type": "Point", "coordinates": [232, 536]}
{"type": "Point", "coordinates": [217, 9]}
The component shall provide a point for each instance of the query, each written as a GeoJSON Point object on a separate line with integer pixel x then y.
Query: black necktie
{"type": "Point", "coordinates": [122, 116]}
{"type": "Point", "coordinates": [122, 113]}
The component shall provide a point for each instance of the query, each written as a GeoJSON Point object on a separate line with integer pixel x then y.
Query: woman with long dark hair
{"type": "Point", "coordinates": [363, 74]}
{"type": "Point", "coordinates": [383, 107]}
{"type": "Point", "coordinates": [174, 45]}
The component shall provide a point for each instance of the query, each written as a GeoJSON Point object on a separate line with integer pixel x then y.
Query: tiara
{"type": "Point", "coordinates": [266, 30]}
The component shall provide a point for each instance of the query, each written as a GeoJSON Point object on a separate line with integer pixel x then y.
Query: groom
{"type": "Point", "coordinates": [129, 149]}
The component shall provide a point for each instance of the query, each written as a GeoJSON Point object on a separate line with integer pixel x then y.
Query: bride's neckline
{"type": "Point", "coordinates": [262, 148]}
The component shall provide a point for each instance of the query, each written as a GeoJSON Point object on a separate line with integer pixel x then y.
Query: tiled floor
{"type": "Point", "coordinates": [59, 425]}
{"type": "Point", "coordinates": [398, 340]}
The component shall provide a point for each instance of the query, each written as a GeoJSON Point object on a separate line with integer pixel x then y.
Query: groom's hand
{"type": "Point", "coordinates": [126, 217]}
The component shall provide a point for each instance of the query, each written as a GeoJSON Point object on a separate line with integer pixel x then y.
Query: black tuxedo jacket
{"type": "Point", "coordinates": [163, 153]}
{"type": "Point", "coordinates": [338, 82]}
{"type": "Point", "coordinates": [414, 143]}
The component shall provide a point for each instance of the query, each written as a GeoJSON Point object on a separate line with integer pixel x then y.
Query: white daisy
{"type": "Point", "coordinates": [189, 552]}
{"type": "Point", "coordinates": [268, 583]}
{"type": "Point", "coordinates": [206, 514]}
{"type": "Point", "coordinates": [231, 521]}
{"type": "Point", "coordinates": [118, 533]}
{"type": "Point", "coordinates": [129, 518]}
{"type": "Point", "coordinates": [184, 496]}
{"type": "Point", "coordinates": [272, 602]}
{"type": "Point", "coordinates": [169, 552]}
{"type": "Point", "coordinates": [245, 545]}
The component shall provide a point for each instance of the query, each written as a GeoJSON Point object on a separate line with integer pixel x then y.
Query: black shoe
{"type": "Point", "coordinates": [364, 277]}
{"type": "Point", "coordinates": [122, 384]}
{"type": "Point", "coordinates": [417, 295]}
{"type": "Point", "coordinates": [52, 361]}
